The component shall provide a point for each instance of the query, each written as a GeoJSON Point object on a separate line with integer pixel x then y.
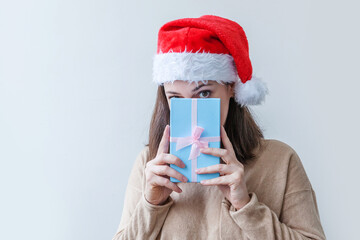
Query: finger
{"type": "Point", "coordinates": [168, 171]}
{"type": "Point", "coordinates": [220, 168]}
{"type": "Point", "coordinates": [225, 140]}
{"type": "Point", "coordinates": [222, 180]}
{"type": "Point", "coordinates": [164, 143]}
{"type": "Point", "coordinates": [218, 152]}
{"type": "Point", "coordinates": [162, 181]}
{"type": "Point", "coordinates": [166, 158]}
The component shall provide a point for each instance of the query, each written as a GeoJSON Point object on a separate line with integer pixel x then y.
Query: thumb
{"type": "Point", "coordinates": [164, 143]}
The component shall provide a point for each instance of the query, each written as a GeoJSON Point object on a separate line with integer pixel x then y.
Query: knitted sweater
{"type": "Point", "coordinates": [282, 204]}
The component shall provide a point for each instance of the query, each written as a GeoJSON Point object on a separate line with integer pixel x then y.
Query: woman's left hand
{"type": "Point", "coordinates": [231, 181]}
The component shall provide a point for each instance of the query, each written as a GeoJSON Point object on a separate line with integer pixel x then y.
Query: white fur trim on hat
{"type": "Point", "coordinates": [252, 92]}
{"type": "Point", "coordinates": [193, 67]}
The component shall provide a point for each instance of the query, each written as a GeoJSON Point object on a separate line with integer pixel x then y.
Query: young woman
{"type": "Point", "coordinates": [262, 192]}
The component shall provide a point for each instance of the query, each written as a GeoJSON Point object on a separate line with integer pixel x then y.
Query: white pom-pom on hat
{"type": "Point", "coordinates": [252, 92]}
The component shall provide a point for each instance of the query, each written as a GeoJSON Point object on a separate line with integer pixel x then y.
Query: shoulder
{"type": "Point", "coordinates": [137, 172]}
{"type": "Point", "coordinates": [142, 156]}
{"type": "Point", "coordinates": [275, 151]}
{"type": "Point", "coordinates": [276, 156]}
{"type": "Point", "coordinates": [275, 146]}
{"type": "Point", "coordinates": [284, 161]}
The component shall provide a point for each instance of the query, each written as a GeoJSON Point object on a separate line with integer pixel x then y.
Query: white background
{"type": "Point", "coordinates": [76, 99]}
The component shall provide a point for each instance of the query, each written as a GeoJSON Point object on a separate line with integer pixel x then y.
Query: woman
{"type": "Point", "coordinates": [262, 192]}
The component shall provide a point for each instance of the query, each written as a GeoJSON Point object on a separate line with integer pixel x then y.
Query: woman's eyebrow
{"type": "Point", "coordinates": [195, 89]}
{"type": "Point", "coordinates": [201, 86]}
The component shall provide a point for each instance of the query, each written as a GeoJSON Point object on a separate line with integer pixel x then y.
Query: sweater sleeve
{"type": "Point", "coordinates": [140, 219]}
{"type": "Point", "coordinates": [299, 218]}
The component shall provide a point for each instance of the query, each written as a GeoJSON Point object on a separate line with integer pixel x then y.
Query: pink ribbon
{"type": "Point", "coordinates": [195, 140]}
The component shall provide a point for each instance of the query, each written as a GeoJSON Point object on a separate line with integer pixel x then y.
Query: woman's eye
{"type": "Point", "coordinates": [172, 97]}
{"type": "Point", "coordinates": [207, 93]}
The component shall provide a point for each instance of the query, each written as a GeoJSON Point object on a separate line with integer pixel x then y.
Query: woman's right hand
{"type": "Point", "coordinates": [158, 186]}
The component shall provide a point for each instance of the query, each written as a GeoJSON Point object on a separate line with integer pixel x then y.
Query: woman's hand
{"type": "Point", "coordinates": [158, 186]}
{"type": "Point", "coordinates": [231, 181]}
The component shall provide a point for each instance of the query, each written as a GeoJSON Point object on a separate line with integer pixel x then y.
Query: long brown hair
{"type": "Point", "coordinates": [242, 130]}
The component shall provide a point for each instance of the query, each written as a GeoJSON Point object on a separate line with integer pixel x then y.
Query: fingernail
{"type": "Point", "coordinates": [184, 179]}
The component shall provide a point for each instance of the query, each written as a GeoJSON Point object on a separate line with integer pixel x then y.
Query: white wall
{"type": "Point", "coordinates": [76, 98]}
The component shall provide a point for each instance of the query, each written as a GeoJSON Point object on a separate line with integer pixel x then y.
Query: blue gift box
{"type": "Point", "coordinates": [193, 123]}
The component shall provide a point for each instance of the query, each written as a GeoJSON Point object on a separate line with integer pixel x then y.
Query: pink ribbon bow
{"type": "Point", "coordinates": [194, 140]}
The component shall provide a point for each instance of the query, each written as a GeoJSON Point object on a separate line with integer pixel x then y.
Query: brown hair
{"type": "Point", "coordinates": [242, 130]}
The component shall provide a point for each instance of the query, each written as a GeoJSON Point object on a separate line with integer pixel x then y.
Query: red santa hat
{"type": "Point", "coordinates": [207, 48]}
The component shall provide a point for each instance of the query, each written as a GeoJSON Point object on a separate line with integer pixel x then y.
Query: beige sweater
{"type": "Point", "coordinates": [282, 206]}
